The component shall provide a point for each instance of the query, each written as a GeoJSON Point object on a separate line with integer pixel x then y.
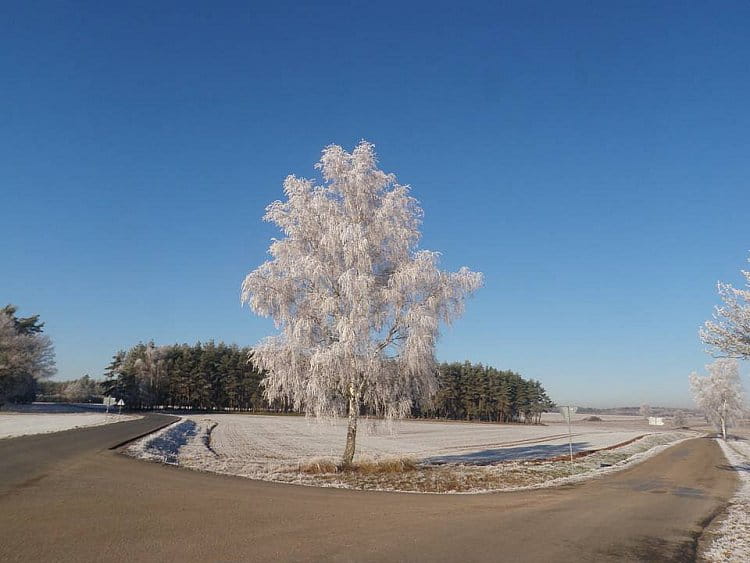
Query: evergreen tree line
{"type": "Point", "coordinates": [469, 391]}
{"type": "Point", "coordinates": [204, 376]}
{"type": "Point", "coordinates": [210, 376]}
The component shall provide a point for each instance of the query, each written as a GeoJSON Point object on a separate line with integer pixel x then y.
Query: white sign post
{"type": "Point", "coordinates": [567, 412]}
{"type": "Point", "coordinates": [108, 402]}
{"type": "Point", "coordinates": [120, 404]}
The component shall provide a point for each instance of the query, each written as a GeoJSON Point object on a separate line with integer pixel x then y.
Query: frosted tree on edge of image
{"type": "Point", "coordinates": [728, 334]}
{"type": "Point", "coordinates": [25, 353]}
{"type": "Point", "coordinates": [358, 306]}
{"type": "Point", "coordinates": [719, 394]}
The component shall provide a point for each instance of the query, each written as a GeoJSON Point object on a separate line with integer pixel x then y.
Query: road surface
{"type": "Point", "coordinates": [67, 497]}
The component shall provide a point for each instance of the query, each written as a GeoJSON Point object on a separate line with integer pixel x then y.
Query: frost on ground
{"type": "Point", "coordinates": [420, 457]}
{"type": "Point", "coordinates": [730, 540]}
{"type": "Point", "coordinates": [53, 408]}
{"type": "Point", "coordinates": [22, 424]}
{"type": "Point", "coordinates": [272, 439]}
{"type": "Point", "coordinates": [165, 445]}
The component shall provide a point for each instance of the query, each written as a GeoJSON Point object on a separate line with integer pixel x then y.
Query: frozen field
{"type": "Point", "coordinates": [22, 424]}
{"type": "Point", "coordinates": [422, 456]}
{"type": "Point", "coordinates": [53, 408]}
{"type": "Point", "coordinates": [284, 439]}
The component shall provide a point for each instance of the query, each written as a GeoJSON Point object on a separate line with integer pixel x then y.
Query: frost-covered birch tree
{"type": "Point", "coordinates": [728, 334]}
{"type": "Point", "coordinates": [26, 355]}
{"type": "Point", "coordinates": [357, 305]}
{"type": "Point", "coordinates": [719, 394]}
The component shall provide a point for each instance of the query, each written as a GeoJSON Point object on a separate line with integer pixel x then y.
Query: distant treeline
{"type": "Point", "coordinates": [636, 411]}
{"type": "Point", "coordinates": [475, 392]}
{"type": "Point", "coordinates": [83, 390]}
{"type": "Point", "coordinates": [204, 376]}
{"type": "Point", "coordinates": [210, 376]}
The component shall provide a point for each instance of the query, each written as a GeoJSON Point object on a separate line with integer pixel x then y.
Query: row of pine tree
{"type": "Point", "coordinates": [469, 391]}
{"type": "Point", "coordinates": [205, 376]}
{"type": "Point", "coordinates": [210, 376]}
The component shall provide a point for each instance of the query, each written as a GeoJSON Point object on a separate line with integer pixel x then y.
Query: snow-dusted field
{"type": "Point", "coordinates": [289, 439]}
{"type": "Point", "coordinates": [442, 456]}
{"type": "Point", "coordinates": [732, 537]}
{"type": "Point", "coordinates": [22, 424]}
{"type": "Point", "coordinates": [53, 408]}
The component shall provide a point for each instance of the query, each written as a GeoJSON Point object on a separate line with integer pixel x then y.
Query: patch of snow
{"type": "Point", "coordinates": [731, 541]}
{"type": "Point", "coordinates": [173, 442]}
{"type": "Point", "coordinates": [23, 424]}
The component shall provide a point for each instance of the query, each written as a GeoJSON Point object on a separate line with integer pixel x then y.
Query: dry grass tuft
{"type": "Point", "coordinates": [368, 466]}
{"type": "Point", "coordinates": [363, 466]}
{"type": "Point", "coordinates": [318, 465]}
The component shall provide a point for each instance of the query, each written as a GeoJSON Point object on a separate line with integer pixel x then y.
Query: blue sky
{"type": "Point", "coordinates": [590, 159]}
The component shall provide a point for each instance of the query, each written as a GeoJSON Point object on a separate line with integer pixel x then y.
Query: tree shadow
{"type": "Point", "coordinates": [170, 442]}
{"type": "Point", "coordinates": [531, 452]}
{"type": "Point", "coordinates": [744, 468]}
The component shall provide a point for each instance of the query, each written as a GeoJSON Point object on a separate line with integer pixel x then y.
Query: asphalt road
{"type": "Point", "coordinates": [67, 497]}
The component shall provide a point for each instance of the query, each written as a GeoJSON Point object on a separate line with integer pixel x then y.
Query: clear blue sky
{"type": "Point", "coordinates": [590, 159]}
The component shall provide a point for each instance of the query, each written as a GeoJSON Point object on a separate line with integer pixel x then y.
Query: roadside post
{"type": "Point", "coordinates": [120, 404]}
{"type": "Point", "coordinates": [108, 402]}
{"type": "Point", "coordinates": [567, 412]}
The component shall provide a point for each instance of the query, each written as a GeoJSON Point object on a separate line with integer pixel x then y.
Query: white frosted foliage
{"type": "Point", "coordinates": [358, 306]}
{"type": "Point", "coordinates": [729, 333]}
{"type": "Point", "coordinates": [24, 353]}
{"type": "Point", "coordinates": [719, 394]}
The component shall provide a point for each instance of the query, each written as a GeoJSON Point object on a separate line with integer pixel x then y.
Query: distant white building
{"type": "Point", "coordinates": [656, 421]}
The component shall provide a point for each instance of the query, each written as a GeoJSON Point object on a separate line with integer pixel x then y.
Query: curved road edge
{"type": "Point", "coordinates": [77, 508]}
{"type": "Point", "coordinates": [25, 458]}
{"type": "Point", "coordinates": [171, 420]}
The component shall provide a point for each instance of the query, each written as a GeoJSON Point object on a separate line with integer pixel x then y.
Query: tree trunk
{"type": "Point", "coordinates": [351, 431]}
{"type": "Point", "coordinates": [723, 428]}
